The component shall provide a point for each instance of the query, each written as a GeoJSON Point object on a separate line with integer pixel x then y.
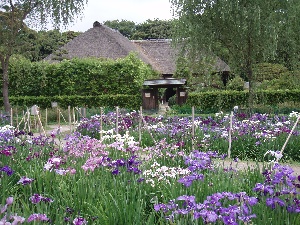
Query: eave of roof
{"type": "Point", "coordinates": [165, 82]}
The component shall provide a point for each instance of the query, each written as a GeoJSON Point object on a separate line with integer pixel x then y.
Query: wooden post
{"type": "Point", "coordinates": [69, 115]}
{"type": "Point", "coordinates": [84, 112]}
{"type": "Point", "coordinates": [229, 135]}
{"type": "Point", "coordinates": [11, 116]}
{"type": "Point", "coordinates": [58, 117]}
{"type": "Point", "coordinates": [117, 120]}
{"type": "Point", "coordinates": [288, 138]}
{"type": "Point", "coordinates": [28, 119]}
{"type": "Point", "coordinates": [17, 118]}
{"type": "Point", "coordinates": [74, 116]}
{"type": "Point", "coordinates": [140, 125]}
{"type": "Point", "coordinates": [101, 114]}
{"type": "Point", "coordinates": [46, 118]}
{"type": "Point", "coordinates": [193, 126]}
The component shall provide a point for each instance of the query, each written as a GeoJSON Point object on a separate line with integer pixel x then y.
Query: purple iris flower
{"type": "Point", "coordinates": [7, 170]}
{"type": "Point", "coordinates": [37, 217]}
{"type": "Point", "coordinates": [25, 180]}
{"type": "Point", "coordinates": [79, 221]}
{"type": "Point", "coordinates": [36, 198]}
{"type": "Point", "coordinates": [115, 172]}
{"type": "Point", "coordinates": [229, 220]}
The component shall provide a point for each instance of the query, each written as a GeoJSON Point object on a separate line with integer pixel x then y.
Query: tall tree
{"type": "Point", "coordinates": [15, 14]}
{"type": "Point", "coordinates": [125, 27]}
{"type": "Point", "coordinates": [249, 29]}
{"type": "Point", "coordinates": [154, 29]}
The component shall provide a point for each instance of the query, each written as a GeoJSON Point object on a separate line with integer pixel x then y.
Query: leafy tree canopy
{"type": "Point", "coordinates": [249, 29]}
{"type": "Point", "coordinates": [15, 15]}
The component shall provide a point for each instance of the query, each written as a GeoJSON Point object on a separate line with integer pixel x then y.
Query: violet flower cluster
{"type": "Point", "coordinates": [9, 218]}
{"type": "Point", "coordinates": [78, 220]}
{"type": "Point", "coordinates": [6, 169]}
{"type": "Point", "coordinates": [197, 163]}
{"type": "Point", "coordinates": [36, 198]}
{"type": "Point", "coordinates": [280, 188]}
{"type": "Point", "coordinates": [229, 208]}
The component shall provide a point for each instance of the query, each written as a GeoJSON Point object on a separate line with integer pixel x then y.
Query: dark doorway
{"type": "Point", "coordinates": [169, 93]}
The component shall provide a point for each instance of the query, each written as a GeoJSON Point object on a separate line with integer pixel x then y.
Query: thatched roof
{"type": "Point", "coordinates": [99, 42]}
{"type": "Point", "coordinates": [104, 42]}
{"type": "Point", "coordinates": [161, 54]}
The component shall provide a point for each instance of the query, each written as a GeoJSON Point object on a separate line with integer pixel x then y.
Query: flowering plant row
{"type": "Point", "coordinates": [105, 175]}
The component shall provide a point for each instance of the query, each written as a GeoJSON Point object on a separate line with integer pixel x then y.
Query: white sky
{"type": "Point", "coordinates": [137, 11]}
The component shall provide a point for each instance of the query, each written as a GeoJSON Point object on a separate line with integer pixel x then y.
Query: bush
{"type": "Point", "coordinates": [236, 84]}
{"type": "Point", "coordinates": [85, 77]}
{"type": "Point", "coordinates": [268, 71]}
{"type": "Point", "coordinates": [123, 101]}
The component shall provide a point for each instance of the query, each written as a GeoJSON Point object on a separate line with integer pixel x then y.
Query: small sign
{"type": "Point", "coordinates": [182, 94]}
{"type": "Point", "coordinates": [34, 110]}
{"type": "Point", "coordinates": [147, 95]}
{"type": "Point", "coordinates": [54, 104]}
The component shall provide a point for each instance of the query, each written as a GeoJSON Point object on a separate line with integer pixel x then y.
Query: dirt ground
{"type": "Point", "coordinates": [240, 165]}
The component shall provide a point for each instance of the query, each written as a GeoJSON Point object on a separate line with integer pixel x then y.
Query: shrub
{"type": "Point", "coordinates": [236, 84]}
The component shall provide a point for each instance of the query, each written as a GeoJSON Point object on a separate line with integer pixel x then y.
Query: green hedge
{"type": "Point", "coordinates": [84, 77]}
{"type": "Point", "coordinates": [226, 100]}
{"type": "Point", "coordinates": [123, 101]}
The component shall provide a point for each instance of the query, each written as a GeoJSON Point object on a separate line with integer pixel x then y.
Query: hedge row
{"type": "Point", "coordinates": [123, 101]}
{"type": "Point", "coordinates": [226, 100]}
{"type": "Point", "coordinates": [222, 100]}
{"type": "Point", "coordinates": [85, 77]}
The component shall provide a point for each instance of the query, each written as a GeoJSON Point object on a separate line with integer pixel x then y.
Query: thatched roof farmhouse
{"type": "Point", "coordinates": [104, 42]}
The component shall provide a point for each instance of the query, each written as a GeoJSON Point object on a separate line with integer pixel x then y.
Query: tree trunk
{"type": "Point", "coordinates": [5, 64]}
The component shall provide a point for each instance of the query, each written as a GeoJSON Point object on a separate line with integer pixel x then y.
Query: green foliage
{"type": "Point", "coordinates": [154, 29]}
{"type": "Point", "coordinates": [86, 77]}
{"type": "Point", "coordinates": [236, 84]}
{"type": "Point", "coordinates": [248, 29]}
{"type": "Point", "coordinates": [125, 27]}
{"type": "Point", "coordinates": [268, 71]}
{"type": "Point", "coordinates": [13, 30]}
{"type": "Point", "coordinates": [123, 101]}
{"type": "Point", "coordinates": [286, 81]}
{"type": "Point", "coordinates": [226, 100]}
{"type": "Point", "coordinates": [172, 101]}
{"type": "Point", "coordinates": [150, 29]}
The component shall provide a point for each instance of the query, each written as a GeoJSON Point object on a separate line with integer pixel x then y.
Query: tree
{"type": "Point", "coordinates": [14, 14]}
{"type": "Point", "coordinates": [150, 29]}
{"type": "Point", "coordinates": [249, 29]}
{"type": "Point", "coordinates": [154, 29]}
{"type": "Point", "coordinates": [125, 27]}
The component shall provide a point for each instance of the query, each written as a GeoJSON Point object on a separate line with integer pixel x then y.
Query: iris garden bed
{"type": "Point", "coordinates": [151, 172]}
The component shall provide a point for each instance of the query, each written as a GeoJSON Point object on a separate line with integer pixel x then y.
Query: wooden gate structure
{"type": "Point", "coordinates": [150, 94]}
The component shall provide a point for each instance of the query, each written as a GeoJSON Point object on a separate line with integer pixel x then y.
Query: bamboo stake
{"type": "Point", "coordinates": [28, 119]}
{"type": "Point", "coordinates": [46, 117]}
{"type": "Point", "coordinates": [58, 116]}
{"type": "Point", "coordinates": [23, 118]}
{"type": "Point", "coordinates": [69, 115]}
{"type": "Point", "coordinates": [193, 126]}
{"type": "Point", "coordinates": [140, 125]}
{"type": "Point", "coordinates": [117, 120]}
{"type": "Point", "coordinates": [288, 138]}
{"type": "Point", "coordinates": [101, 114]}
{"type": "Point", "coordinates": [74, 116]}
{"type": "Point", "coordinates": [84, 112]}
{"type": "Point", "coordinates": [11, 116]}
{"type": "Point", "coordinates": [40, 122]}
{"type": "Point", "coordinates": [17, 118]}
{"type": "Point", "coordinates": [229, 135]}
